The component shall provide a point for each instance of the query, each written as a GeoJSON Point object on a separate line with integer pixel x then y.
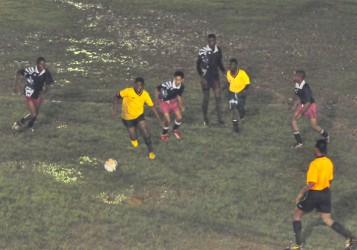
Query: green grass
{"type": "Point", "coordinates": [211, 190]}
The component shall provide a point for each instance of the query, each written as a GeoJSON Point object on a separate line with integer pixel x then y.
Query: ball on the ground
{"type": "Point", "coordinates": [110, 165]}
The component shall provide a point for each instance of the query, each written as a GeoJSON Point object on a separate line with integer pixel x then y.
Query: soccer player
{"type": "Point", "coordinates": [132, 114]}
{"type": "Point", "coordinates": [169, 97]}
{"type": "Point", "coordinates": [38, 79]}
{"type": "Point", "coordinates": [307, 107]}
{"type": "Point", "coordinates": [239, 82]}
{"type": "Point", "coordinates": [316, 195]}
{"type": "Point", "coordinates": [208, 62]}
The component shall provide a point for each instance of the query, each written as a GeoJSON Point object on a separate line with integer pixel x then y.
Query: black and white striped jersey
{"type": "Point", "coordinates": [209, 61]}
{"type": "Point", "coordinates": [303, 91]}
{"type": "Point", "coordinates": [35, 81]}
{"type": "Point", "coordinates": [169, 90]}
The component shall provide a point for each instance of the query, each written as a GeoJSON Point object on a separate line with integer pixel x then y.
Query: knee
{"type": "Point", "coordinates": [327, 221]}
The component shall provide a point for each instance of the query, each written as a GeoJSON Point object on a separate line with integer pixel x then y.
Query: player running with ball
{"type": "Point", "coordinates": [169, 97]}
{"type": "Point", "coordinates": [132, 114]}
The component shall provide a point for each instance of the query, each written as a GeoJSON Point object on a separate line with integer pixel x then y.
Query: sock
{"type": "Point", "coordinates": [149, 144]}
{"type": "Point", "coordinates": [297, 231]}
{"type": "Point", "coordinates": [324, 133]}
{"type": "Point", "coordinates": [176, 125]}
{"type": "Point", "coordinates": [205, 111]}
{"type": "Point", "coordinates": [235, 125]}
{"type": "Point", "coordinates": [165, 130]}
{"type": "Point", "coordinates": [297, 137]}
{"type": "Point", "coordinates": [25, 119]}
{"type": "Point", "coordinates": [337, 227]}
{"type": "Point", "coordinates": [31, 122]}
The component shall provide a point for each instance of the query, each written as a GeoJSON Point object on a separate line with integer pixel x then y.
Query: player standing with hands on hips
{"type": "Point", "coordinates": [132, 114]}
{"type": "Point", "coordinates": [316, 195]}
{"type": "Point", "coordinates": [169, 97]}
{"type": "Point", "coordinates": [38, 79]}
{"type": "Point", "coordinates": [208, 62]}
{"type": "Point", "coordinates": [307, 107]}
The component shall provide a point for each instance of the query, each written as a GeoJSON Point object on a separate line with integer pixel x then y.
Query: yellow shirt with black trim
{"type": "Point", "coordinates": [238, 82]}
{"type": "Point", "coordinates": [320, 172]}
{"type": "Point", "coordinates": [133, 103]}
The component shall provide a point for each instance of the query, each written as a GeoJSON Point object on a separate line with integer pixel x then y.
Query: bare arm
{"type": "Point", "coordinates": [154, 110]}
{"type": "Point", "coordinates": [157, 96]}
{"type": "Point", "coordinates": [115, 105]}
{"type": "Point", "coordinates": [292, 101]}
{"type": "Point", "coordinates": [17, 83]}
{"type": "Point", "coordinates": [179, 99]}
{"type": "Point", "coordinates": [303, 191]}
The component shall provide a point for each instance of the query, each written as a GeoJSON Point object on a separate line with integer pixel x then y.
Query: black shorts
{"type": "Point", "coordinates": [314, 199]}
{"type": "Point", "coordinates": [236, 100]}
{"type": "Point", "coordinates": [211, 84]}
{"type": "Point", "coordinates": [134, 122]}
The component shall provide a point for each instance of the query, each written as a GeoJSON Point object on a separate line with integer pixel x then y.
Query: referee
{"type": "Point", "coordinates": [316, 195]}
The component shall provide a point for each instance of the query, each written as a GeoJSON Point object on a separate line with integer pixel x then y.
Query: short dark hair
{"type": "Point", "coordinates": [40, 59]}
{"type": "Point", "coordinates": [179, 73]}
{"type": "Point", "coordinates": [211, 36]}
{"type": "Point", "coordinates": [300, 73]}
{"type": "Point", "coordinates": [233, 60]}
{"type": "Point", "coordinates": [321, 145]}
{"type": "Point", "coordinates": [140, 79]}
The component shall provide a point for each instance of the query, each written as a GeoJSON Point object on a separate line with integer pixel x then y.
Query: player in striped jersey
{"type": "Point", "coordinates": [38, 79]}
{"type": "Point", "coordinates": [169, 98]}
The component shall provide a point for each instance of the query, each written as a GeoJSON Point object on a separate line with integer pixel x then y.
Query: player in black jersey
{"type": "Point", "coordinates": [169, 97]}
{"type": "Point", "coordinates": [208, 62]}
{"type": "Point", "coordinates": [306, 107]}
{"type": "Point", "coordinates": [38, 79]}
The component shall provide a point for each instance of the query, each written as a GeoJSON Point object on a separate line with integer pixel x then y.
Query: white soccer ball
{"type": "Point", "coordinates": [110, 165]}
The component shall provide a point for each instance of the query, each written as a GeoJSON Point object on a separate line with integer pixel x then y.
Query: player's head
{"type": "Point", "coordinates": [179, 76]}
{"type": "Point", "coordinates": [211, 40]}
{"type": "Point", "coordinates": [299, 76]}
{"type": "Point", "coordinates": [321, 147]}
{"type": "Point", "coordinates": [233, 64]}
{"type": "Point", "coordinates": [139, 84]}
{"type": "Point", "coordinates": [40, 63]}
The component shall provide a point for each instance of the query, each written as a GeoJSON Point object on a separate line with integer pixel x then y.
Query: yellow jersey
{"type": "Point", "coordinates": [320, 172]}
{"type": "Point", "coordinates": [238, 82]}
{"type": "Point", "coordinates": [133, 103]}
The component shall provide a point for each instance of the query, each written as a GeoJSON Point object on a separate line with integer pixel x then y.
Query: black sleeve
{"type": "Point", "coordinates": [49, 78]}
{"type": "Point", "coordinates": [21, 71]}
{"type": "Point", "coordinates": [181, 90]}
{"type": "Point", "coordinates": [220, 64]}
{"type": "Point", "coordinates": [307, 93]}
{"type": "Point", "coordinates": [159, 87]}
{"type": "Point", "coordinates": [198, 66]}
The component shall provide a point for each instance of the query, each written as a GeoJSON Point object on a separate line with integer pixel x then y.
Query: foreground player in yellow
{"type": "Point", "coordinates": [316, 196]}
{"type": "Point", "coordinates": [238, 82]}
{"type": "Point", "coordinates": [132, 114]}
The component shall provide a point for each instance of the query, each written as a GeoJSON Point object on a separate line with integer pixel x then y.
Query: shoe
{"type": "Point", "coordinates": [222, 124]}
{"type": "Point", "coordinates": [205, 122]}
{"type": "Point", "coordinates": [350, 243]}
{"type": "Point", "coordinates": [152, 155]}
{"type": "Point", "coordinates": [293, 247]}
{"type": "Point", "coordinates": [165, 137]}
{"type": "Point", "coordinates": [298, 145]}
{"type": "Point", "coordinates": [16, 126]}
{"type": "Point", "coordinates": [177, 134]}
{"type": "Point", "coordinates": [135, 143]}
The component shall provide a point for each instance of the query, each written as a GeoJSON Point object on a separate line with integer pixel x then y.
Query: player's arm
{"type": "Point", "coordinates": [49, 81]}
{"type": "Point", "coordinates": [116, 99]}
{"type": "Point", "coordinates": [157, 116]}
{"type": "Point", "coordinates": [292, 101]}
{"type": "Point", "coordinates": [220, 64]}
{"type": "Point", "coordinates": [179, 99]}
{"type": "Point", "coordinates": [16, 89]}
{"type": "Point", "coordinates": [303, 191]}
{"type": "Point", "coordinates": [157, 92]}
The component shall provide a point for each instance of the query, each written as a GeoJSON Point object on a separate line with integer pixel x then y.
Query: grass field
{"type": "Point", "coordinates": [211, 190]}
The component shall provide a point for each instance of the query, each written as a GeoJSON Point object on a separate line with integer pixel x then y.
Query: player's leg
{"type": "Point", "coordinates": [217, 95]}
{"type": "Point", "coordinates": [337, 227]}
{"type": "Point", "coordinates": [318, 129]}
{"type": "Point", "coordinates": [241, 105]}
{"type": "Point", "coordinates": [177, 124]}
{"type": "Point", "coordinates": [233, 106]}
{"type": "Point", "coordinates": [297, 227]}
{"type": "Point", "coordinates": [205, 101]}
{"type": "Point", "coordinates": [131, 128]}
{"type": "Point", "coordinates": [295, 128]}
{"type": "Point", "coordinates": [165, 128]}
{"type": "Point", "coordinates": [34, 106]}
{"type": "Point", "coordinates": [147, 138]}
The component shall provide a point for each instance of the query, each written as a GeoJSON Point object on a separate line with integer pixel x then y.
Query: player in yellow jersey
{"type": "Point", "coordinates": [316, 196]}
{"type": "Point", "coordinates": [132, 114]}
{"type": "Point", "coordinates": [238, 82]}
